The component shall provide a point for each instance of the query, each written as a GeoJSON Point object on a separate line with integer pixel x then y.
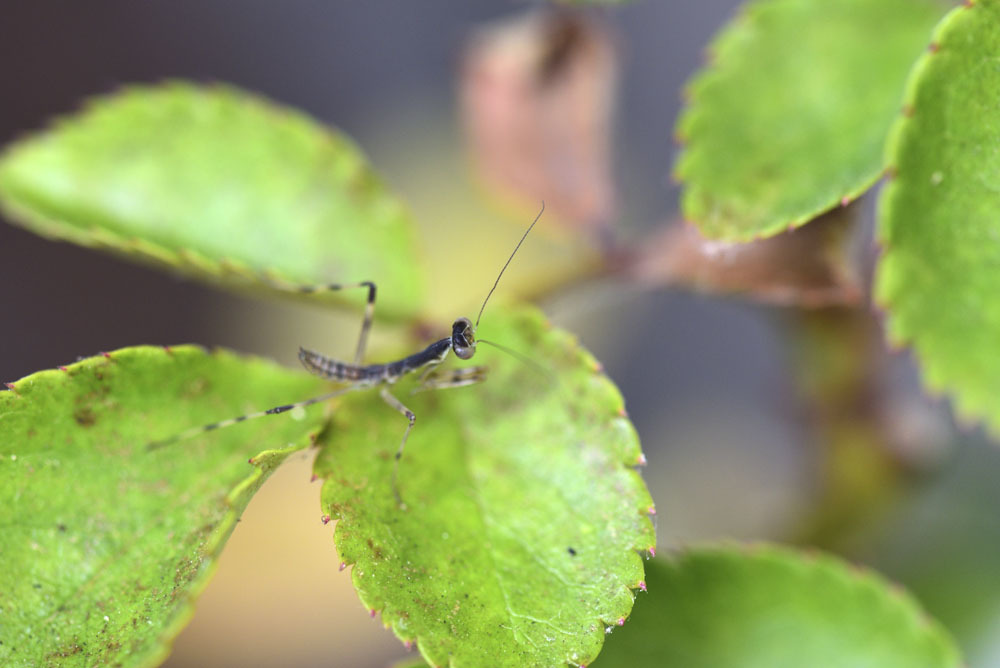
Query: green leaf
{"type": "Point", "coordinates": [766, 606]}
{"type": "Point", "coordinates": [790, 117]}
{"type": "Point", "coordinates": [217, 184]}
{"type": "Point", "coordinates": [106, 544]}
{"type": "Point", "coordinates": [524, 519]}
{"type": "Point", "coordinates": [939, 275]}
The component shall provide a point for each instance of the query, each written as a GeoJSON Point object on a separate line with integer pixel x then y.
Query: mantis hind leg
{"type": "Point", "coordinates": [366, 324]}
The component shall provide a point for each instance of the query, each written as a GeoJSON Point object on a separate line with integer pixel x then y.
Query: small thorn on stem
{"type": "Point", "coordinates": [652, 551]}
{"type": "Point", "coordinates": [641, 460]}
{"type": "Point", "coordinates": [325, 519]}
{"type": "Point", "coordinates": [62, 368]}
{"type": "Point", "coordinates": [845, 200]}
{"type": "Point", "coordinates": [251, 461]}
{"type": "Point", "coordinates": [343, 565]}
{"type": "Point", "coordinates": [642, 585]}
{"type": "Point", "coordinates": [313, 478]}
{"type": "Point", "coordinates": [651, 510]}
{"type": "Point", "coordinates": [408, 644]}
{"type": "Point", "coordinates": [372, 613]}
{"type": "Point", "coordinates": [621, 621]}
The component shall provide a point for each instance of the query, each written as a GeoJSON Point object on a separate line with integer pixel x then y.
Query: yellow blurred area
{"type": "Point", "coordinates": [465, 236]}
{"type": "Point", "coordinates": [278, 598]}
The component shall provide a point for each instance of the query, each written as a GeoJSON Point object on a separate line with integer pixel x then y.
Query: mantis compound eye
{"type": "Point", "coordinates": [463, 341]}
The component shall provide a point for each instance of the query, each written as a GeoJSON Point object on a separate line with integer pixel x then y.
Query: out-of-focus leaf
{"type": "Point", "coordinates": [939, 275]}
{"type": "Point", "coordinates": [217, 184]}
{"type": "Point", "coordinates": [524, 522]}
{"type": "Point", "coordinates": [790, 117]}
{"type": "Point", "coordinates": [537, 96]}
{"type": "Point", "coordinates": [734, 607]}
{"type": "Point", "coordinates": [808, 267]}
{"type": "Point", "coordinates": [105, 543]}
{"type": "Point", "coordinates": [942, 542]}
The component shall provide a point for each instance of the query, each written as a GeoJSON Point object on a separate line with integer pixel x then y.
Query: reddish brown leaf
{"type": "Point", "coordinates": [537, 96]}
{"type": "Point", "coordinates": [810, 266]}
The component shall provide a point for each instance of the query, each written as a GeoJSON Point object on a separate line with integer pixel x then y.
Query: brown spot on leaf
{"type": "Point", "coordinates": [376, 550]}
{"type": "Point", "coordinates": [85, 416]}
{"type": "Point", "coordinates": [66, 651]}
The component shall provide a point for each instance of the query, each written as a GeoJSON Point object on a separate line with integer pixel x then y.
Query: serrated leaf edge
{"type": "Point", "coordinates": [710, 71]}
{"type": "Point", "coordinates": [967, 410]}
{"type": "Point", "coordinates": [264, 464]}
{"type": "Point", "coordinates": [836, 568]}
{"type": "Point", "coordinates": [392, 617]}
{"type": "Point", "coordinates": [227, 273]}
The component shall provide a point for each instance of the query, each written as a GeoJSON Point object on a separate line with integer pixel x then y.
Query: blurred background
{"type": "Point", "coordinates": [759, 420]}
